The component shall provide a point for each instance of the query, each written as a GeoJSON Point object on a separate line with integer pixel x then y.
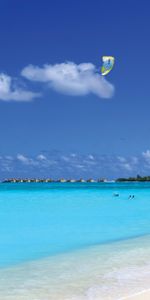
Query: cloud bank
{"type": "Point", "coordinates": [57, 164]}
{"type": "Point", "coordinates": [71, 79]}
{"type": "Point", "coordinates": [10, 90]}
{"type": "Point", "coordinates": [66, 78]}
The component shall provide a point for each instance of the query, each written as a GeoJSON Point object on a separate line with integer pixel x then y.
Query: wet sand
{"type": "Point", "coordinates": [119, 271]}
{"type": "Point", "coordinates": [145, 295]}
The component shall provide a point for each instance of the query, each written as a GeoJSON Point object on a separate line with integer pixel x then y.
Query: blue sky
{"type": "Point", "coordinates": [43, 111]}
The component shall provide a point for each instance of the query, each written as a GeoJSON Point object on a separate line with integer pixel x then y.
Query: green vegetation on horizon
{"type": "Point", "coordinates": [137, 178]}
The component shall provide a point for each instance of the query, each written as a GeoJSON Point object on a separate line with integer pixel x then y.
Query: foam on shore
{"type": "Point", "coordinates": [109, 272]}
{"type": "Point", "coordinates": [143, 295]}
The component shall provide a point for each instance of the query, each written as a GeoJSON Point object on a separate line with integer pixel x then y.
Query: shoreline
{"type": "Point", "coordinates": [119, 271]}
{"type": "Point", "coordinates": [143, 295]}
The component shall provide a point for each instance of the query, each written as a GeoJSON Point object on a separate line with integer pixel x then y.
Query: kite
{"type": "Point", "coordinates": [108, 63]}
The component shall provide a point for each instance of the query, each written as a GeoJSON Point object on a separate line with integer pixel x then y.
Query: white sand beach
{"type": "Point", "coordinates": [119, 271]}
{"type": "Point", "coordinates": [144, 295]}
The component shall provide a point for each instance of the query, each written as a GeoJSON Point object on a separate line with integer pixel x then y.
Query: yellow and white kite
{"type": "Point", "coordinates": [108, 63]}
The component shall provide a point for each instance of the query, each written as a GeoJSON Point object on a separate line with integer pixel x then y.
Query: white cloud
{"type": "Point", "coordinates": [73, 155]}
{"type": "Point", "coordinates": [65, 158]}
{"type": "Point", "coordinates": [41, 157]}
{"type": "Point", "coordinates": [90, 156]}
{"type": "Point", "coordinates": [23, 158]}
{"type": "Point", "coordinates": [127, 166]}
{"type": "Point", "coordinates": [27, 161]}
{"type": "Point", "coordinates": [121, 159]}
{"type": "Point", "coordinates": [135, 160]}
{"type": "Point", "coordinates": [58, 164]}
{"type": "Point", "coordinates": [9, 157]}
{"type": "Point", "coordinates": [9, 91]}
{"type": "Point", "coordinates": [71, 79]}
{"type": "Point", "coordinates": [146, 155]}
{"type": "Point", "coordinates": [80, 166]}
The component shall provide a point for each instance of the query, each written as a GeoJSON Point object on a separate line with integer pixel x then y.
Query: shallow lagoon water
{"type": "Point", "coordinates": [73, 241]}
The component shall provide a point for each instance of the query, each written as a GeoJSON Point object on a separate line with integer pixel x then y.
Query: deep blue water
{"type": "Point", "coordinates": [38, 220]}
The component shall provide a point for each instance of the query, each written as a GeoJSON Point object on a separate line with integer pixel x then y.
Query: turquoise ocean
{"type": "Point", "coordinates": [69, 241]}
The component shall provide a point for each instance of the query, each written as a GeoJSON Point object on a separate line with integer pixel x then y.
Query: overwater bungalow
{"type": "Point", "coordinates": [102, 180]}
{"type": "Point", "coordinates": [37, 180]}
{"type": "Point", "coordinates": [49, 180]}
{"type": "Point", "coordinates": [12, 180]}
{"type": "Point", "coordinates": [29, 180]}
{"type": "Point", "coordinates": [90, 180]}
{"type": "Point", "coordinates": [71, 180]}
{"type": "Point", "coordinates": [81, 180]}
{"type": "Point", "coordinates": [62, 180]}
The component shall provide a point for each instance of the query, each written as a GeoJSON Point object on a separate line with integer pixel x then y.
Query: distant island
{"type": "Point", "coordinates": [137, 178]}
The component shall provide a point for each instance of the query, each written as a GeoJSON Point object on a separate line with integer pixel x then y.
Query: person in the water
{"type": "Point", "coordinates": [116, 195]}
{"type": "Point", "coordinates": [131, 197]}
